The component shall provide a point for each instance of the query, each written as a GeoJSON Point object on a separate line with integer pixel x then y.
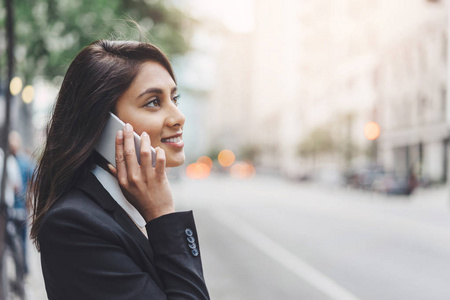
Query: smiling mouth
{"type": "Point", "coordinates": [174, 141]}
{"type": "Point", "coordinates": [171, 140]}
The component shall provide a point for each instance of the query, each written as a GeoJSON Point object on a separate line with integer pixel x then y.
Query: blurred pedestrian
{"type": "Point", "coordinates": [412, 181]}
{"type": "Point", "coordinates": [13, 181]}
{"type": "Point", "coordinates": [26, 167]}
{"type": "Point", "coordinates": [107, 233]}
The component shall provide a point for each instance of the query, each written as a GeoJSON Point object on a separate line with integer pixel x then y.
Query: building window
{"type": "Point", "coordinates": [444, 102]}
{"type": "Point", "coordinates": [444, 47]}
{"type": "Point", "coordinates": [422, 58]}
{"type": "Point", "coordinates": [422, 107]}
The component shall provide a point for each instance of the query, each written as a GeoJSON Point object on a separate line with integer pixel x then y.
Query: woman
{"type": "Point", "coordinates": [93, 243]}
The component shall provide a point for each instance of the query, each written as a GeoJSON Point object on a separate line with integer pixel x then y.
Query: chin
{"type": "Point", "coordinates": [175, 161]}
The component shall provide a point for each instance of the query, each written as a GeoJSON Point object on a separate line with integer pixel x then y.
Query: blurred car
{"type": "Point", "coordinates": [394, 184]}
{"type": "Point", "coordinates": [365, 177]}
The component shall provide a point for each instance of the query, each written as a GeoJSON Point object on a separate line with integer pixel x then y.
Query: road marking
{"type": "Point", "coordinates": [286, 258]}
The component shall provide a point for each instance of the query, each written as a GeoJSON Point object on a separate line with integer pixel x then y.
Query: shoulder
{"type": "Point", "coordinates": [75, 212]}
{"type": "Point", "coordinates": [74, 202]}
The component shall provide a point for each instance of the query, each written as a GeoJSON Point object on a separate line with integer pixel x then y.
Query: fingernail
{"type": "Point", "coordinates": [144, 134]}
{"type": "Point", "coordinates": [120, 134]}
{"type": "Point", "coordinates": [127, 127]}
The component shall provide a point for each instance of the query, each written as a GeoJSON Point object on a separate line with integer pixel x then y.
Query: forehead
{"type": "Point", "coordinates": [152, 75]}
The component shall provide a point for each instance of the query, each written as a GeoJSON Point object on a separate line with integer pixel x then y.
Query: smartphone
{"type": "Point", "coordinates": [106, 145]}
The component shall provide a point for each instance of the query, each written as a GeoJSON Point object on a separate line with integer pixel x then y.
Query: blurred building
{"type": "Point", "coordinates": [412, 104]}
{"type": "Point", "coordinates": [254, 99]}
{"type": "Point", "coordinates": [295, 94]}
{"type": "Point", "coordinates": [230, 107]}
{"type": "Point", "coordinates": [382, 61]}
{"type": "Point", "coordinates": [275, 125]}
{"type": "Point", "coordinates": [339, 42]}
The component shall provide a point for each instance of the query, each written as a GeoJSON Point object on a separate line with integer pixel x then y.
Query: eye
{"type": "Point", "coordinates": [153, 103]}
{"type": "Point", "coordinates": [176, 99]}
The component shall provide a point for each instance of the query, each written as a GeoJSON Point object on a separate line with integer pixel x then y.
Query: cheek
{"type": "Point", "coordinates": [155, 140]}
{"type": "Point", "coordinates": [153, 130]}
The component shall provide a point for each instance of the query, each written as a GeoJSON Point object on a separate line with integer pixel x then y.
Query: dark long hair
{"type": "Point", "coordinates": [95, 80]}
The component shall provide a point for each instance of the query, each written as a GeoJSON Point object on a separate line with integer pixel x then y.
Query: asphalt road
{"type": "Point", "coordinates": [270, 239]}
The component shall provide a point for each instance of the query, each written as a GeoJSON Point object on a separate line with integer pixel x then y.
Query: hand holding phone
{"type": "Point", "coordinates": [149, 192]}
{"type": "Point", "coordinates": [106, 145]}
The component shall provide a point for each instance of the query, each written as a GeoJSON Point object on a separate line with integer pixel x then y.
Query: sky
{"type": "Point", "coordinates": [236, 15]}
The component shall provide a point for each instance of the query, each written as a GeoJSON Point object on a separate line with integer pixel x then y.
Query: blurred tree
{"type": "Point", "coordinates": [213, 153]}
{"type": "Point", "coordinates": [319, 141]}
{"type": "Point", "coordinates": [250, 152]}
{"type": "Point", "coordinates": [49, 33]}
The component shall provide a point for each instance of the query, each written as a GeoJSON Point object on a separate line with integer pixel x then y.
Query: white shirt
{"type": "Point", "coordinates": [111, 184]}
{"type": "Point", "coordinates": [13, 180]}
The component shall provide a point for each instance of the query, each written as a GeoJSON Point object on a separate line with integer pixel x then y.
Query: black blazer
{"type": "Point", "coordinates": [91, 249]}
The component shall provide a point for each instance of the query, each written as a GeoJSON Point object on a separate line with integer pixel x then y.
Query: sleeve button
{"type": "Point", "coordinates": [191, 239]}
{"type": "Point", "coordinates": [189, 232]}
{"type": "Point", "coordinates": [194, 252]}
{"type": "Point", "coordinates": [192, 246]}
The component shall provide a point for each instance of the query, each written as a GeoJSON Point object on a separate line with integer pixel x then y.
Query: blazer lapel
{"type": "Point", "coordinates": [90, 185]}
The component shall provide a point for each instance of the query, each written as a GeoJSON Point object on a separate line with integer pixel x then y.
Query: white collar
{"type": "Point", "coordinates": [111, 185]}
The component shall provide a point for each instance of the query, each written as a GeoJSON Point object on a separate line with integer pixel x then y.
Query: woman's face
{"type": "Point", "coordinates": [150, 105]}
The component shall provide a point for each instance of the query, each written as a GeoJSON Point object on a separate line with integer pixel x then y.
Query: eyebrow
{"type": "Point", "coordinates": [155, 91]}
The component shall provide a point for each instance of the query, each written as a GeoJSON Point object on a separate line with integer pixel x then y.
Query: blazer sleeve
{"type": "Point", "coordinates": [82, 258]}
{"type": "Point", "coordinates": [174, 240]}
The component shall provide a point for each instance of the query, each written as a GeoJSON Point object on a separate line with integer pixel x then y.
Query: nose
{"type": "Point", "coordinates": [176, 117]}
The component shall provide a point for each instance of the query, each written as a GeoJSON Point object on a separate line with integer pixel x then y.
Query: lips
{"type": "Point", "coordinates": [171, 140]}
{"type": "Point", "coordinates": [174, 140]}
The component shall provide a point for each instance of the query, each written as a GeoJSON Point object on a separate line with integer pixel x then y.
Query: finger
{"type": "Point", "coordinates": [160, 166]}
{"type": "Point", "coordinates": [130, 151]}
{"type": "Point", "coordinates": [120, 159]}
{"type": "Point", "coordinates": [112, 169]}
{"type": "Point", "coordinates": [146, 154]}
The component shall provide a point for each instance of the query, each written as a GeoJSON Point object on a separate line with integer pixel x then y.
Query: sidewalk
{"type": "Point", "coordinates": [34, 284]}
{"type": "Point", "coordinates": [430, 198]}
{"type": "Point", "coordinates": [433, 197]}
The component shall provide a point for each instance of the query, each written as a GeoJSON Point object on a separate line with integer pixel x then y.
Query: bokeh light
{"type": "Point", "coordinates": [198, 171]}
{"type": "Point", "coordinates": [371, 131]}
{"type": "Point", "coordinates": [226, 158]}
{"type": "Point", "coordinates": [242, 170]}
{"type": "Point", "coordinates": [206, 160]}
{"type": "Point", "coordinates": [15, 86]}
{"type": "Point", "coordinates": [28, 94]}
